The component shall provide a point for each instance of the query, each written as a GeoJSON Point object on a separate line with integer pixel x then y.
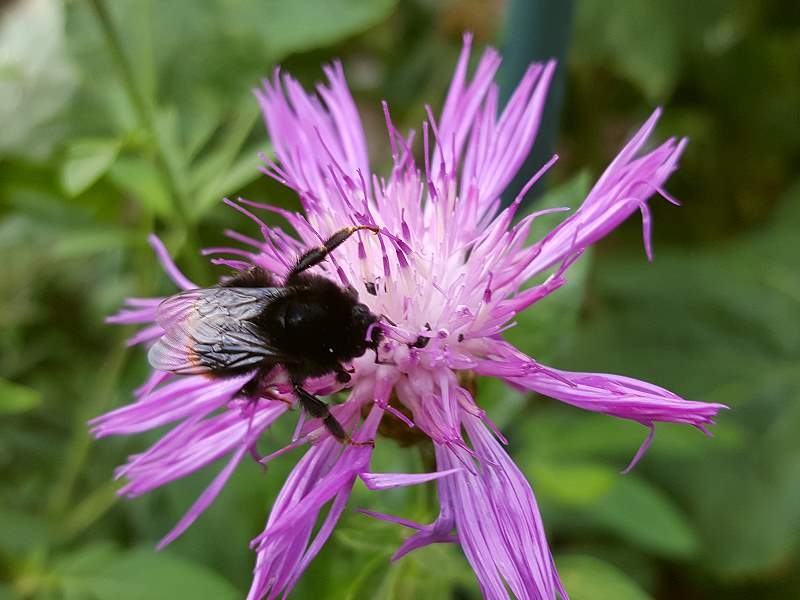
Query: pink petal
{"type": "Point", "coordinates": [498, 521]}
{"type": "Point", "coordinates": [383, 481]}
{"type": "Point", "coordinates": [169, 266]}
{"type": "Point", "coordinates": [619, 396]}
{"type": "Point", "coordinates": [327, 472]}
{"type": "Point", "coordinates": [624, 187]}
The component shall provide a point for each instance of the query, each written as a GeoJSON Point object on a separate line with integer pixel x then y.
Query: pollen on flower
{"type": "Point", "coordinates": [444, 276]}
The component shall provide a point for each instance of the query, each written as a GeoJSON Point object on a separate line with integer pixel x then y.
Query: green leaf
{"type": "Point", "coordinates": [569, 194]}
{"type": "Point", "coordinates": [234, 177]}
{"type": "Point", "coordinates": [571, 484]}
{"type": "Point", "coordinates": [204, 116]}
{"type": "Point", "coordinates": [86, 161]}
{"type": "Point", "coordinates": [225, 168]}
{"type": "Point", "coordinates": [140, 178]}
{"type": "Point", "coordinates": [562, 432]}
{"type": "Point", "coordinates": [288, 27]}
{"type": "Point", "coordinates": [362, 583]}
{"type": "Point", "coordinates": [90, 509]}
{"type": "Point", "coordinates": [589, 578]}
{"type": "Point", "coordinates": [77, 244]}
{"type": "Point", "coordinates": [16, 398]}
{"type": "Point", "coordinates": [226, 150]}
{"type": "Point", "coordinates": [143, 574]}
{"type": "Point", "coordinates": [746, 509]}
{"type": "Point", "coordinates": [22, 532]}
{"type": "Point", "coordinates": [502, 402]}
{"type": "Point", "coordinates": [644, 515]}
{"type": "Point", "coordinates": [86, 561]}
{"type": "Point", "coordinates": [169, 146]}
{"type": "Point", "coordinates": [640, 40]}
{"type": "Point", "coordinates": [430, 572]}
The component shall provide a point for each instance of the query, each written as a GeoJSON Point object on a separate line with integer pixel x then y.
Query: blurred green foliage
{"type": "Point", "coordinates": [126, 117]}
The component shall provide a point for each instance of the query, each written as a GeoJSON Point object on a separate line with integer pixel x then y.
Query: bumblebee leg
{"type": "Point", "coordinates": [319, 410]}
{"type": "Point", "coordinates": [342, 374]}
{"type": "Point", "coordinates": [314, 256]}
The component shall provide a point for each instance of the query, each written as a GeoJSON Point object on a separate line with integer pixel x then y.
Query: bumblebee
{"type": "Point", "coordinates": [306, 324]}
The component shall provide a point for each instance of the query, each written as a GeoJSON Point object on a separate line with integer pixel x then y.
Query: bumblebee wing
{"type": "Point", "coordinates": [208, 330]}
{"type": "Point", "coordinates": [212, 345]}
{"type": "Point", "coordinates": [237, 303]}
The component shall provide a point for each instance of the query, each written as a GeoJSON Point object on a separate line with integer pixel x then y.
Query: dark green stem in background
{"type": "Point", "coordinates": [535, 31]}
{"type": "Point", "coordinates": [80, 440]}
{"type": "Point", "coordinates": [146, 115]}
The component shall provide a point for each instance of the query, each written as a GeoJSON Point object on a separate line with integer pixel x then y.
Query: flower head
{"type": "Point", "coordinates": [447, 272]}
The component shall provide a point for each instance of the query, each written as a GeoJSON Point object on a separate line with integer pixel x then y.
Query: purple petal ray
{"type": "Point", "coordinates": [384, 481]}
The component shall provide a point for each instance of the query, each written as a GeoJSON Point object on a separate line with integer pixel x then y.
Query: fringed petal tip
{"type": "Point", "coordinates": [420, 540]}
{"type": "Point", "coordinates": [438, 532]}
{"type": "Point", "coordinates": [383, 481]}
{"type": "Point", "coordinates": [713, 408]}
{"type": "Point", "coordinates": [615, 395]}
{"type": "Point", "coordinates": [642, 449]}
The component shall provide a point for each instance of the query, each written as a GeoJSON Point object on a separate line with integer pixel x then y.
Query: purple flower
{"type": "Point", "coordinates": [448, 272]}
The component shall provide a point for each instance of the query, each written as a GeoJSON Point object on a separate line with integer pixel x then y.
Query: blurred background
{"type": "Point", "coordinates": [123, 117]}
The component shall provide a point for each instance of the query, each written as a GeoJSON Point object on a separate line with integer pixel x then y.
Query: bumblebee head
{"type": "Point", "coordinates": [366, 325]}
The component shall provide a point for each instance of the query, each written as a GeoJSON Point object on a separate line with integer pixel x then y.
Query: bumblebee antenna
{"type": "Point", "coordinates": [314, 256]}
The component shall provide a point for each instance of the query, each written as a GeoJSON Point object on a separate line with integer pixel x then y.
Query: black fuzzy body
{"type": "Point", "coordinates": [307, 324]}
{"type": "Point", "coordinates": [314, 327]}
